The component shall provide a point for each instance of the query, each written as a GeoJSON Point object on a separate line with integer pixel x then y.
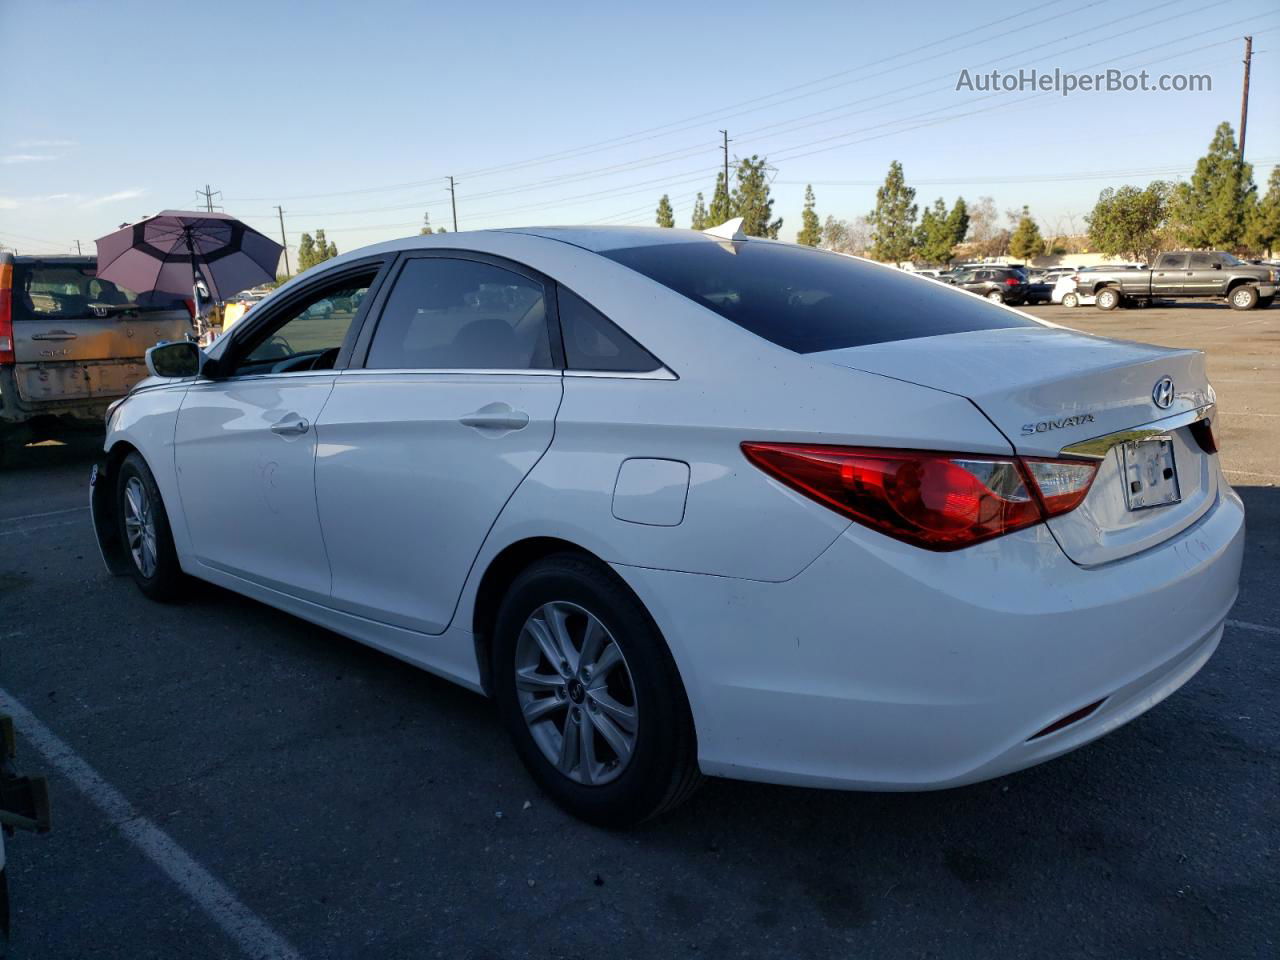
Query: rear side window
{"type": "Point", "coordinates": [446, 314]}
{"type": "Point", "coordinates": [53, 290]}
{"type": "Point", "coordinates": [593, 342]}
{"type": "Point", "coordinates": [808, 300]}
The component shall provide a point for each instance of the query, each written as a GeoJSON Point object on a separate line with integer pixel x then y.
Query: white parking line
{"type": "Point", "coordinates": [1255, 627]}
{"type": "Point", "coordinates": [37, 529]}
{"type": "Point", "coordinates": [47, 513]}
{"type": "Point", "coordinates": [250, 932]}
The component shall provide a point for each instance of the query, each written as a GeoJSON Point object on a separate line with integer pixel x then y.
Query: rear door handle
{"type": "Point", "coordinates": [496, 416]}
{"type": "Point", "coordinates": [290, 428]}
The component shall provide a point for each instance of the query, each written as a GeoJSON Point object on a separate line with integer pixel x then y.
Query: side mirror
{"type": "Point", "coordinates": [172, 360]}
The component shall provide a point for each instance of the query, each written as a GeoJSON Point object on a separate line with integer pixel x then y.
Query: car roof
{"type": "Point", "coordinates": [598, 239]}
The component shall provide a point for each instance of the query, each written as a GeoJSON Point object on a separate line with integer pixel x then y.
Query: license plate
{"type": "Point", "coordinates": [1150, 473]}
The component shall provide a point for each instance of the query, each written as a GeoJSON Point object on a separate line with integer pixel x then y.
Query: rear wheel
{"type": "Point", "coordinates": [995, 296]}
{"type": "Point", "coordinates": [1243, 298]}
{"type": "Point", "coordinates": [588, 691]}
{"type": "Point", "coordinates": [1108, 298]}
{"type": "Point", "coordinates": [1070, 300]}
{"type": "Point", "coordinates": [144, 531]}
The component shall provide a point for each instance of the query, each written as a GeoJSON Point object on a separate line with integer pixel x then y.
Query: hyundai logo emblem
{"type": "Point", "coordinates": [1162, 393]}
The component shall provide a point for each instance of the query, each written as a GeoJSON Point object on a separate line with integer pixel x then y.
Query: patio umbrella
{"type": "Point", "coordinates": [176, 249]}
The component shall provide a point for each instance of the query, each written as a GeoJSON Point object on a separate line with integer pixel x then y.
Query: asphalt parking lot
{"type": "Point", "coordinates": [351, 806]}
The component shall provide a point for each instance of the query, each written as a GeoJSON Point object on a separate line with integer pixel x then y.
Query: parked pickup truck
{"type": "Point", "coordinates": [1184, 275]}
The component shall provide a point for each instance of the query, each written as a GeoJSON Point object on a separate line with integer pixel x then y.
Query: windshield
{"type": "Point", "coordinates": [72, 291]}
{"type": "Point", "coordinates": [808, 300]}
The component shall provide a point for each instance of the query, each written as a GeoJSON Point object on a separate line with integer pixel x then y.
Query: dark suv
{"type": "Point", "coordinates": [1001, 284]}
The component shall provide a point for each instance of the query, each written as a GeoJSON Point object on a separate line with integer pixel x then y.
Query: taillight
{"type": "Point", "coordinates": [939, 501]}
{"type": "Point", "coordinates": [6, 314]}
{"type": "Point", "coordinates": [1202, 430]}
{"type": "Point", "coordinates": [1011, 281]}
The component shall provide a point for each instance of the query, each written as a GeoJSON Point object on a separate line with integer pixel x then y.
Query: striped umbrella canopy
{"type": "Point", "coordinates": [172, 250]}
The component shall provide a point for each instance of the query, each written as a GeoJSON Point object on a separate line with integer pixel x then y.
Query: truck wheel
{"type": "Point", "coordinates": [1070, 300]}
{"type": "Point", "coordinates": [1244, 297]}
{"type": "Point", "coordinates": [1108, 298]}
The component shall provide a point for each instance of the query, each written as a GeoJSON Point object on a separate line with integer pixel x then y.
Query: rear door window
{"type": "Point", "coordinates": [453, 314]}
{"type": "Point", "coordinates": [809, 300]}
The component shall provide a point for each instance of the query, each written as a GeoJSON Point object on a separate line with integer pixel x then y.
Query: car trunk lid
{"type": "Point", "coordinates": [1049, 389]}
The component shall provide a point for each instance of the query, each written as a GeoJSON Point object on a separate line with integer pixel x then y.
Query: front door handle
{"type": "Point", "coordinates": [496, 416]}
{"type": "Point", "coordinates": [291, 428]}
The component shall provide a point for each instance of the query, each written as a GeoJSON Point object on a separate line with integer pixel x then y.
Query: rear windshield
{"type": "Point", "coordinates": [72, 291]}
{"type": "Point", "coordinates": [807, 300]}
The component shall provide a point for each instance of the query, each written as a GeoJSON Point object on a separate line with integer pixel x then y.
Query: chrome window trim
{"type": "Point", "coordinates": [662, 373]}
{"type": "Point", "coordinates": [1097, 448]}
{"type": "Point", "coordinates": [244, 378]}
{"type": "Point", "coordinates": [399, 371]}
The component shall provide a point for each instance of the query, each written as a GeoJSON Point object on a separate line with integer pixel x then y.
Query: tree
{"type": "Point", "coordinates": [306, 253]}
{"type": "Point", "coordinates": [894, 218]}
{"type": "Point", "coordinates": [845, 236]}
{"type": "Point", "coordinates": [810, 226]}
{"type": "Point", "coordinates": [324, 251]}
{"type": "Point", "coordinates": [666, 216]}
{"type": "Point", "coordinates": [1211, 210]}
{"type": "Point", "coordinates": [1263, 232]}
{"type": "Point", "coordinates": [721, 206]}
{"type": "Point", "coordinates": [1026, 241]}
{"type": "Point", "coordinates": [935, 236]}
{"type": "Point", "coordinates": [985, 235]}
{"type": "Point", "coordinates": [700, 221]}
{"type": "Point", "coordinates": [958, 222]}
{"type": "Point", "coordinates": [1128, 222]}
{"type": "Point", "coordinates": [426, 225]}
{"type": "Point", "coordinates": [751, 200]}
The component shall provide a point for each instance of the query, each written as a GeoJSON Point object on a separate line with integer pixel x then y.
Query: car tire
{"type": "Point", "coordinates": [995, 296]}
{"type": "Point", "coordinates": [1108, 298]}
{"type": "Point", "coordinates": [144, 532]}
{"type": "Point", "coordinates": [1070, 301]}
{"type": "Point", "coordinates": [638, 758]}
{"type": "Point", "coordinates": [1244, 297]}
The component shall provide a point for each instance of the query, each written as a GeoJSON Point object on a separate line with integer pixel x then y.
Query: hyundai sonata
{"type": "Point", "coordinates": [692, 503]}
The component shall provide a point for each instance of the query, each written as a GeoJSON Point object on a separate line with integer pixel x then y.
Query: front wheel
{"type": "Point", "coordinates": [144, 531]}
{"type": "Point", "coordinates": [1070, 300]}
{"type": "Point", "coordinates": [1244, 298]}
{"type": "Point", "coordinates": [1108, 298]}
{"type": "Point", "coordinates": [590, 696]}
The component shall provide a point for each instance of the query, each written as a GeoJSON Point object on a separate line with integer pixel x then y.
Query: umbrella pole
{"type": "Point", "coordinates": [195, 287]}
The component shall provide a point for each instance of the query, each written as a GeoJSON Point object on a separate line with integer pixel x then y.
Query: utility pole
{"type": "Point", "coordinates": [284, 242]}
{"type": "Point", "coordinates": [1244, 96]}
{"type": "Point", "coordinates": [77, 248]}
{"type": "Point", "coordinates": [453, 200]}
{"type": "Point", "coordinates": [208, 197]}
{"type": "Point", "coordinates": [726, 161]}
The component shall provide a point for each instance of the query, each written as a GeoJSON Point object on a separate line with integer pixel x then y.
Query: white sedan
{"type": "Point", "coordinates": [688, 504]}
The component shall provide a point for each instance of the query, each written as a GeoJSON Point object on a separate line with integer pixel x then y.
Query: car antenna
{"type": "Point", "coordinates": [729, 230]}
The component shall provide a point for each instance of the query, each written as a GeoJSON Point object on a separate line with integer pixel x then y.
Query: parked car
{"type": "Point", "coordinates": [70, 344]}
{"type": "Point", "coordinates": [1065, 292]}
{"type": "Point", "coordinates": [998, 284]}
{"type": "Point", "coordinates": [1186, 275]}
{"type": "Point", "coordinates": [683, 504]}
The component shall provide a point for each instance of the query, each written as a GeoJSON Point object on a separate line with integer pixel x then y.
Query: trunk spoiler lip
{"type": "Point", "coordinates": [1097, 448]}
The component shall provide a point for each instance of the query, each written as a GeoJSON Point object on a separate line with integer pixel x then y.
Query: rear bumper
{"type": "Point", "coordinates": [885, 667]}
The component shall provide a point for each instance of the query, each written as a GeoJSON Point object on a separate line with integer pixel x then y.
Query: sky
{"type": "Point", "coordinates": [351, 116]}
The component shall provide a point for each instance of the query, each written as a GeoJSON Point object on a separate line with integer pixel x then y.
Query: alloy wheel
{"type": "Point", "coordinates": [576, 693]}
{"type": "Point", "coordinates": [140, 526]}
